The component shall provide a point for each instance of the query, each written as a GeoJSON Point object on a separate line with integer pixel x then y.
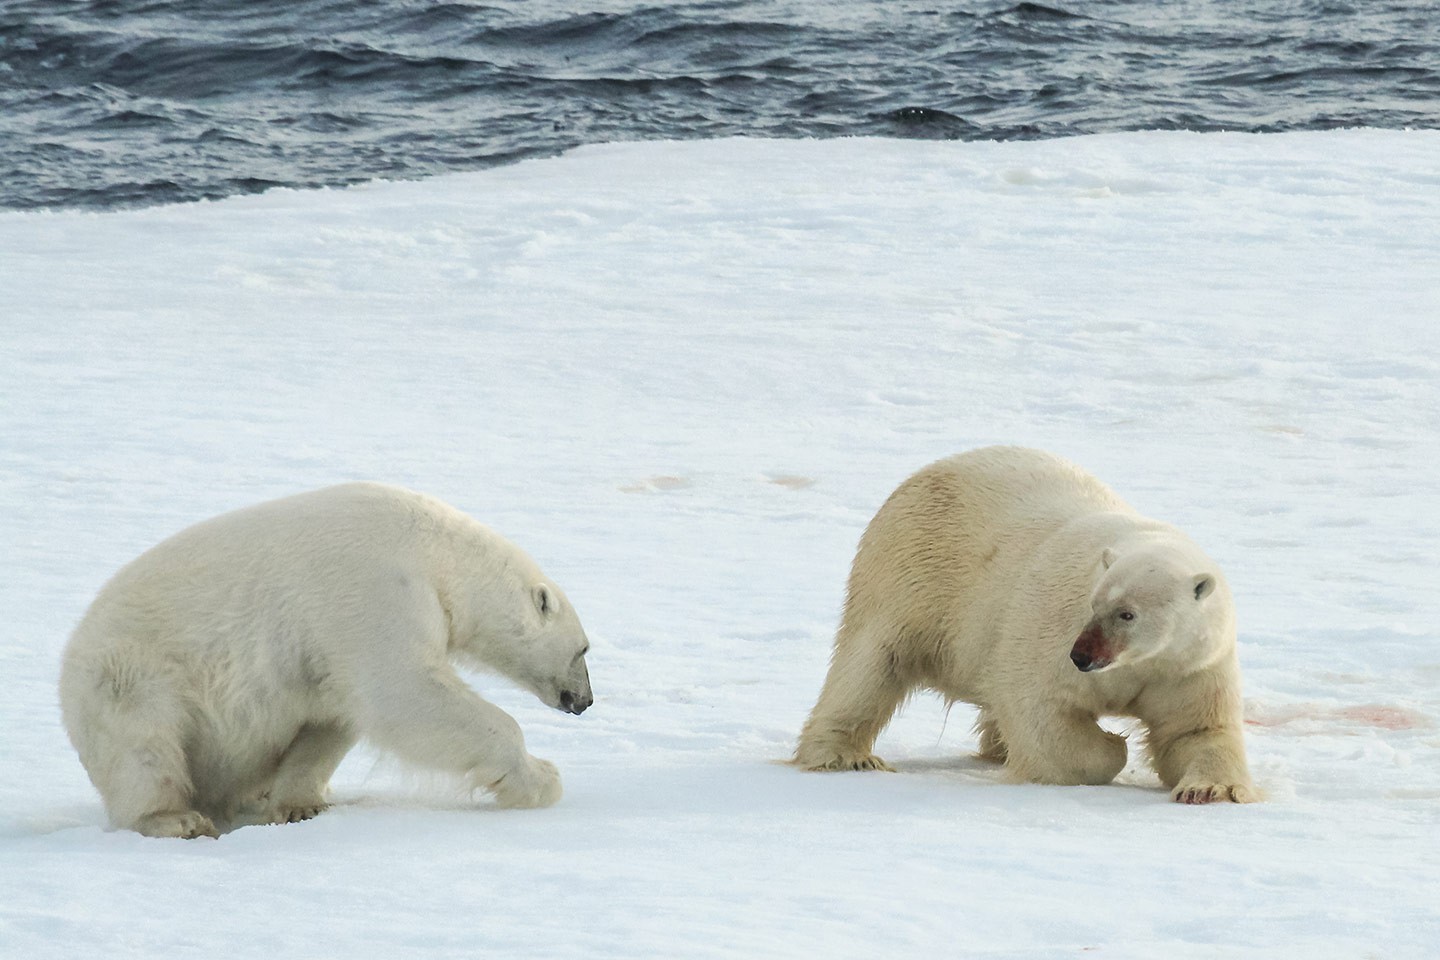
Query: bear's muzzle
{"type": "Point", "coordinates": [575, 703]}
{"type": "Point", "coordinates": [1092, 651]}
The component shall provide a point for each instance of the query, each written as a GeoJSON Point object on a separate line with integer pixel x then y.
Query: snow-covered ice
{"type": "Point", "coordinates": [683, 376]}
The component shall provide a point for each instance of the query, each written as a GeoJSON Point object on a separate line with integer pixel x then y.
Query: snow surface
{"type": "Point", "coordinates": [683, 376]}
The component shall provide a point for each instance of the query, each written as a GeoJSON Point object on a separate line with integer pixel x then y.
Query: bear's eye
{"type": "Point", "coordinates": [1127, 615]}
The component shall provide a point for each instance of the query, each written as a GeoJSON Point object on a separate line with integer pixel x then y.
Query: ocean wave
{"type": "Point", "coordinates": [118, 102]}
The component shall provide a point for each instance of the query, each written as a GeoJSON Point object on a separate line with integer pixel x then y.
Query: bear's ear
{"type": "Point", "coordinates": [1204, 583]}
{"type": "Point", "coordinates": [1107, 557]}
{"type": "Point", "coordinates": [544, 600]}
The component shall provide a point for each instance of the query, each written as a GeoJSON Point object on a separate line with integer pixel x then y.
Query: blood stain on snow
{"type": "Point", "coordinates": [1386, 718]}
{"type": "Point", "coordinates": [1378, 715]}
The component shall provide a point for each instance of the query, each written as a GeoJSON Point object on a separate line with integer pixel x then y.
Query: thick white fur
{"type": "Point", "coordinates": [224, 673]}
{"type": "Point", "coordinates": [977, 577]}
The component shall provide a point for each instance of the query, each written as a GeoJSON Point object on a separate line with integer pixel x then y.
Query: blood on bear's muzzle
{"type": "Point", "coordinates": [1092, 651]}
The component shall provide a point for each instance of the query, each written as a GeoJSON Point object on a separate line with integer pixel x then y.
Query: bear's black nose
{"type": "Point", "coordinates": [573, 704]}
{"type": "Point", "coordinates": [1081, 660]}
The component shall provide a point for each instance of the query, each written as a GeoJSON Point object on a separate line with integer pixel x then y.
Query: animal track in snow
{"type": "Point", "coordinates": [790, 481]}
{"type": "Point", "coordinates": [657, 484]}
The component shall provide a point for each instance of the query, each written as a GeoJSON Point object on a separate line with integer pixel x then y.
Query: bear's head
{"type": "Point", "coordinates": [1158, 599]}
{"type": "Point", "coordinates": [534, 637]}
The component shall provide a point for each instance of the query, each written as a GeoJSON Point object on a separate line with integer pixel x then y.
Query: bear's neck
{"type": "Point", "coordinates": [474, 580]}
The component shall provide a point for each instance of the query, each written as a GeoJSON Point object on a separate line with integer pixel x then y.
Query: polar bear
{"type": "Point", "coordinates": [1011, 579]}
{"type": "Point", "coordinates": [224, 673]}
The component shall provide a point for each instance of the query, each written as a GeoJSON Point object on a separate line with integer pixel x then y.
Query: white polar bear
{"type": "Point", "coordinates": [1013, 580]}
{"type": "Point", "coordinates": [225, 672]}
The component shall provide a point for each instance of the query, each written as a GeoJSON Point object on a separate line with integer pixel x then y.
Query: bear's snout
{"type": "Point", "coordinates": [571, 703]}
{"type": "Point", "coordinates": [1092, 651]}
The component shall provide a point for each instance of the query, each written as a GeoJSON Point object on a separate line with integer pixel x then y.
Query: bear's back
{"type": "Point", "coordinates": [315, 544]}
{"type": "Point", "coordinates": [1018, 482]}
{"type": "Point", "coordinates": [940, 546]}
{"type": "Point", "coordinates": [981, 500]}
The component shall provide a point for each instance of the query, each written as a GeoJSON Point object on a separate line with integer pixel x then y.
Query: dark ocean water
{"type": "Point", "coordinates": [107, 103]}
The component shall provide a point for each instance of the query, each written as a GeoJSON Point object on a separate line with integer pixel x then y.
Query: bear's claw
{"type": "Point", "coordinates": [296, 813]}
{"type": "Point", "coordinates": [868, 762]}
{"type": "Point", "coordinates": [186, 825]}
{"type": "Point", "coordinates": [1214, 793]}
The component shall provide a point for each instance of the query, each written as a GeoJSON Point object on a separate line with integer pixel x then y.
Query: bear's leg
{"type": "Point", "coordinates": [131, 736]}
{"type": "Point", "coordinates": [428, 716]}
{"type": "Point", "coordinates": [1204, 766]}
{"type": "Point", "coordinates": [298, 790]}
{"type": "Point", "coordinates": [1195, 738]}
{"type": "Point", "coordinates": [1061, 746]}
{"type": "Point", "coordinates": [861, 693]}
{"type": "Point", "coordinates": [992, 745]}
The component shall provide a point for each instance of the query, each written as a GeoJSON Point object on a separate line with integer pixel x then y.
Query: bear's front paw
{"type": "Point", "coordinates": [536, 784]}
{"type": "Point", "coordinates": [1214, 793]}
{"type": "Point", "coordinates": [186, 824]}
{"type": "Point", "coordinates": [295, 812]}
{"type": "Point", "coordinates": [845, 761]}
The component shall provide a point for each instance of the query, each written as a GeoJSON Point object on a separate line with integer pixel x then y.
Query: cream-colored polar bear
{"type": "Point", "coordinates": [224, 673]}
{"type": "Point", "coordinates": [1013, 580]}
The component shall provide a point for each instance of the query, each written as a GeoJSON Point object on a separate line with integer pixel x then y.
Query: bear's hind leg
{"type": "Point", "coordinates": [298, 790]}
{"type": "Point", "coordinates": [861, 693]}
{"type": "Point", "coordinates": [1062, 747]}
{"type": "Point", "coordinates": [130, 726]}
